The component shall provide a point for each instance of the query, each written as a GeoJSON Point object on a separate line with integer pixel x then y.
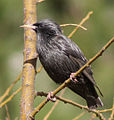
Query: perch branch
{"type": "Point", "coordinates": [38, 108]}
{"type": "Point", "coordinates": [49, 113]}
{"type": "Point", "coordinates": [98, 114]}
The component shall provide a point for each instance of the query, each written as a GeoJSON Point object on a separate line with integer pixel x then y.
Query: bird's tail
{"type": "Point", "coordinates": [93, 103]}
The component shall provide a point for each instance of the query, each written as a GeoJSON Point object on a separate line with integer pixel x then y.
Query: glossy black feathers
{"type": "Point", "coordinates": [60, 57]}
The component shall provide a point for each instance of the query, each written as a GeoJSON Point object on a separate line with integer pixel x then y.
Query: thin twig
{"type": "Point", "coordinates": [49, 113]}
{"type": "Point", "coordinates": [8, 115]}
{"type": "Point", "coordinates": [10, 98]}
{"type": "Point", "coordinates": [106, 110]}
{"type": "Point", "coordinates": [83, 20]}
{"type": "Point", "coordinates": [98, 114]}
{"type": "Point", "coordinates": [10, 88]}
{"type": "Point", "coordinates": [112, 114]}
{"type": "Point", "coordinates": [64, 25]}
{"type": "Point", "coordinates": [80, 115]}
{"type": "Point", "coordinates": [39, 107]}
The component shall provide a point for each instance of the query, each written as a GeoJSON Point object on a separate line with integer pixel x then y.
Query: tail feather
{"type": "Point", "coordinates": [93, 103]}
{"type": "Point", "coordinates": [99, 102]}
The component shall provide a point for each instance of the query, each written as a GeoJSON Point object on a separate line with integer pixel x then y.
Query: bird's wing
{"type": "Point", "coordinates": [87, 71]}
{"type": "Point", "coordinates": [74, 53]}
{"type": "Point", "coordinates": [77, 56]}
{"type": "Point", "coordinates": [70, 49]}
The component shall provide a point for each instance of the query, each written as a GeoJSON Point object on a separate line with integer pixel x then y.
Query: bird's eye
{"type": "Point", "coordinates": [40, 26]}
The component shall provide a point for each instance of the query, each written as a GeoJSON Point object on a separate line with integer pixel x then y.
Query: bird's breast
{"type": "Point", "coordinates": [55, 63]}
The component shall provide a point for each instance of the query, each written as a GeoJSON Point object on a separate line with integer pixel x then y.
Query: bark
{"type": "Point", "coordinates": [29, 66]}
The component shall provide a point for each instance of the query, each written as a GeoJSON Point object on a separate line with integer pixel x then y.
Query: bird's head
{"type": "Point", "coordinates": [45, 27]}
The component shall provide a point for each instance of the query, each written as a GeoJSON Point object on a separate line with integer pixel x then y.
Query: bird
{"type": "Point", "coordinates": [61, 58]}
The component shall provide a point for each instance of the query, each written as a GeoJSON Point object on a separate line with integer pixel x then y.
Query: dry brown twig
{"type": "Point", "coordinates": [10, 88]}
{"type": "Point", "coordinates": [97, 113]}
{"type": "Point", "coordinates": [80, 115]}
{"type": "Point", "coordinates": [64, 25]}
{"type": "Point", "coordinates": [8, 115]}
{"type": "Point", "coordinates": [112, 114]}
{"type": "Point", "coordinates": [80, 24]}
{"type": "Point", "coordinates": [16, 92]}
{"type": "Point", "coordinates": [10, 98]}
{"type": "Point", "coordinates": [105, 110]}
{"type": "Point", "coordinates": [38, 108]}
{"type": "Point", "coordinates": [49, 113]}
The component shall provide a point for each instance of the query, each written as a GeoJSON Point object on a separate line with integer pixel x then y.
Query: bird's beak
{"type": "Point", "coordinates": [28, 26]}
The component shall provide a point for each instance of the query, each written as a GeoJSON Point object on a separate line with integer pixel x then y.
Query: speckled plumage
{"type": "Point", "coordinates": [60, 57]}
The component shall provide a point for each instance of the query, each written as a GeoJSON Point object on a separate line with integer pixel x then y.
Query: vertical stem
{"type": "Point", "coordinates": [28, 77]}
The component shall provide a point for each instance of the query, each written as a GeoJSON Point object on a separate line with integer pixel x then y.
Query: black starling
{"type": "Point", "coordinates": [60, 57]}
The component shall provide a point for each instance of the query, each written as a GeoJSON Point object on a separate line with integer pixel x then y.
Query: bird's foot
{"type": "Point", "coordinates": [51, 97]}
{"type": "Point", "coordinates": [73, 78]}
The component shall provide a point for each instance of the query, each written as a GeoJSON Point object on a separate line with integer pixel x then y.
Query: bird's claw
{"type": "Point", "coordinates": [51, 97]}
{"type": "Point", "coordinates": [73, 78]}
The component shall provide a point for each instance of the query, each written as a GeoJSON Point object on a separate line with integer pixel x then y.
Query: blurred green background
{"type": "Point", "coordinates": [100, 29]}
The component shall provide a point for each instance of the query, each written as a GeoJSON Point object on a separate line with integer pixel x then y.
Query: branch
{"type": "Point", "coordinates": [30, 58]}
{"type": "Point", "coordinates": [80, 115]}
{"type": "Point", "coordinates": [38, 108]}
{"type": "Point", "coordinates": [49, 113]}
{"type": "Point", "coordinates": [64, 25]}
{"type": "Point", "coordinates": [106, 110]}
{"type": "Point", "coordinates": [7, 111]}
{"type": "Point", "coordinates": [112, 115]}
{"type": "Point", "coordinates": [83, 20]}
{"type": "Point", "coordinates": [19, 89]}
{"type": "Point", "coordinates": [98, 114]}
{"type": "Point", "coordinates": [10, 98]}
{"type": "Point", "coordinates": [9, 88]}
